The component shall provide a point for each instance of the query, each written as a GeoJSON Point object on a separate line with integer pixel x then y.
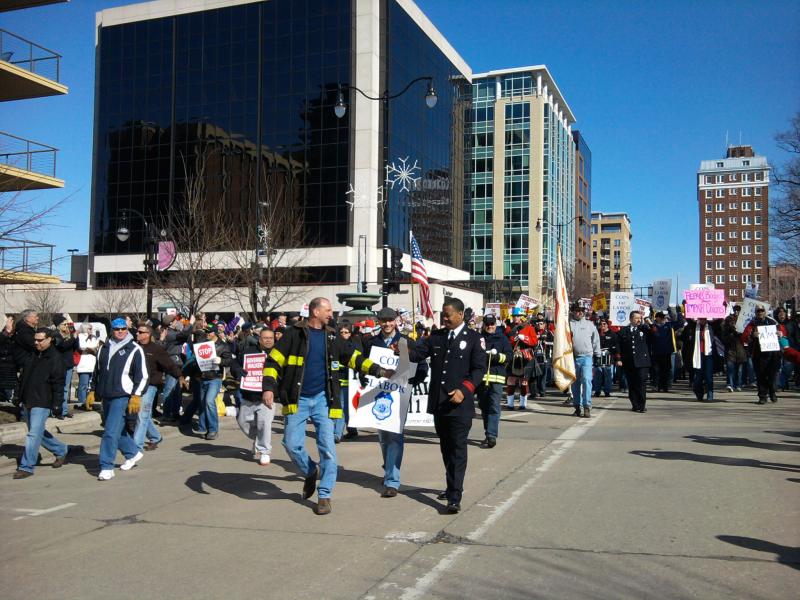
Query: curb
{"type": "Point", "coordinates": [11, 433]}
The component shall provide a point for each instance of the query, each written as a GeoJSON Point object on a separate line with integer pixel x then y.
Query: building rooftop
{"type": "Point", "coordinates": [731, 164]}
{"type": "Point", "coordinates": [598, 216]}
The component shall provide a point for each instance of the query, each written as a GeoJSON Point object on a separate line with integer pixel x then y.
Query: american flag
{"type": "Point", "coordinates": [420, 275]}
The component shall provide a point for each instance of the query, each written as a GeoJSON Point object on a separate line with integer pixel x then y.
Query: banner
{"type": "Point", "coordinates": [748, 312]}
{"type": "Point", "coordinates": [768, 338]}
{"type": "Point", "coordinates": [254, 372]}
{"type": "Point", "coordinates": [662, 291]}
{"type": "Point", "coordinates": [563, 359]}
{"type": "Point", "coordinates": [383, 403]}
{"type": "Point", "coordinates": [206, 355]}
{"type": "Point", "coordinates": [643, 306]}
{"type": "Point", "coordinates": [704, 304]}
{"type": "Point", "coordinates": [599, 302]}
{"type": "Point", "coordinates": [622, 304]}
{"type": "Point", "coordinates": [492, 308]}
{"type": "Point", "coordinates": [526, 302]}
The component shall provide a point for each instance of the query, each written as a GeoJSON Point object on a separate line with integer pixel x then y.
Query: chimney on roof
{"type": "Point", "coordinates": [740, 152]}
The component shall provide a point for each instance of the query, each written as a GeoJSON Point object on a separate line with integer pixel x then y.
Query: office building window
{"type": "Point", "coordinates": [708, 209]}
{"type": "Point", "coordinates": [746, 191]}
{"type": "Point", "coordinates": [758, 191]}
{"type": "Point", "coordinates": [758, 248]}
{"type": "Point", "coordinates": [720, 250]}
{"type": "Point", "coordinates": [719, 236]}
{"type": "Point", "coordinates": [719, 221]}
{"type": "Point", "coordinates": [720, 264]}
{"type": "Point", "coordinates": [720, 279]}
{"type": "Point", "coordinates": [719, 193]}
{"type": "Point", "coordinates": [708, 193]}
{"type": "Point", "coordinates": [746, 206]}
{"type": "Point", "coordinates": [720, 207]}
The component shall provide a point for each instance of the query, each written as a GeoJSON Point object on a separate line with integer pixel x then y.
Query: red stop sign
{"type": "Point", "coordinates": [205, 351]}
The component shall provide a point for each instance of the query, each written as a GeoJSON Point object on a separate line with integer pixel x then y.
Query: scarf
{"type": "Point", "coordinates": [696, 360]}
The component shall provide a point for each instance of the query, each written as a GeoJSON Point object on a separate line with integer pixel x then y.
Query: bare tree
{"type": "Point", "coordinates": [46, 301]}
{"type": "Point", "coordinates": [785, 218]}
{"type": "Point", "coordinates": [118, 302]}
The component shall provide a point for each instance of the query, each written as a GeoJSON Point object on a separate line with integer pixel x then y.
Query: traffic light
{"type": "Point", "coordinates": [395, 270]}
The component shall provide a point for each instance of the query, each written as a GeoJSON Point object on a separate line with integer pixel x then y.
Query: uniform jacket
{"type": "Point", "coordinates": [496, 371]}
{"type": "Point", "coordinates": [42, 380]}
{"type": "Point", "coordinates": [121, 369]}
{"type": "Point", "coordinates": [459, 367]}
{"type": "Point", "coordinates": [283, 371]}
{"type": "Point", "coordinates": [633, 346]}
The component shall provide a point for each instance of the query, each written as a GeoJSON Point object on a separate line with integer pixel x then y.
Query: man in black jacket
{"type": "Point", "coordinates": [458, 364]}
{"type": "Point", "coordinates": [490, 394]}
{"type": "Point", "coordinates": [634, 341]}
{"type": "Point", "coordinates": [41, 392]}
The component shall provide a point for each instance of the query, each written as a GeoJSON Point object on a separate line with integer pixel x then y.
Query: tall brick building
{"type": "Point", "coordinates": [733, 202]}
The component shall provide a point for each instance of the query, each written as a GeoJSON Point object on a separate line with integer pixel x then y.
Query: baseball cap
{"type": "Point", "coordinates": [489, 319]}
{"type": "Point", "coordinates": [119, 323]}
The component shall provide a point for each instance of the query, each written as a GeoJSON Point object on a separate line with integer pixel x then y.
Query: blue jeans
{"type": "Point", "coordinates": [601, 380]}
{"type": "Point", "coordinates": [171, 393]}
{"type": "Point", "coordinates": [84, 379]}
{"type": "Point", "coordinates": [582, 387]}
{"type": "Point", "coordinates": [115, 435]}
{"type": "Point", "coordinates": [704, 378]}
{"type": "Point", "coordinates": [294, 440]}
{"type": "Point", "coordinates": [489, 398]}
{"type": "Point", "coordinates": [734, 372]}
{"type": "Point", "coordinates": [67, 390]}
{"type": "Point", "coordinates": [785, 374]}
{"type": "Point", "coordinates": [36, 418]}
{"type": "Point", "coordinates": [339, 424]}
{"type": "Point", "coordinates": [144, 423]}
{"type": "Point", "coordinates": [392, 451]}
{"type": "Point", "coordinates": [204, 402]}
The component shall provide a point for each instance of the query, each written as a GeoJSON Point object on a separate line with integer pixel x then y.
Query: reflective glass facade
{"type": "Point", "coordinates": [251, 88]}
{"type": "Point", "coordinates": [481, 180]}
{"type": "Point", "coordinates": [434, 138]}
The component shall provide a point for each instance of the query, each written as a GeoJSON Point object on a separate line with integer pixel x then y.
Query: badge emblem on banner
{"type": "Point", "coordinates": [382, 407]}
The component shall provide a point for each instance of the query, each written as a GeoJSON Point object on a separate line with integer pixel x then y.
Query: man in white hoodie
{"type": "Point", "coordinates": [585, 348]}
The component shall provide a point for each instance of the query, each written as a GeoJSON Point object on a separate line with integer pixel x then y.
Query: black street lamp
{"type": "Point", "coordinates": [558, 226]}
{"type": "Point", "coordinates": [152, 236]}
{"type": "Point", "coordinates": [340, 109]}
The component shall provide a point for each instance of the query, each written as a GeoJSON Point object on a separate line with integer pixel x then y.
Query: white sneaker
{"type": "Point", "coordinates": [264, 460]}
{"type": "Point", "coordinates": [730, 388]}
{"type": "Point", "coordinates": [131, 462]}
{"type": "Point", "coordinates": [105, 475]}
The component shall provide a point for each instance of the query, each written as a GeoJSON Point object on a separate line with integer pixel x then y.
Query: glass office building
{"type": "Point", "coordinates": [245, 91]}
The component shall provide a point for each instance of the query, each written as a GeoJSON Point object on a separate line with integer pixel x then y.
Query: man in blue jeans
{"type": "Point", "coordinates": [586, 348]}
{"type": "Point", "coordinates": [41, 391]}
{"type": "Point", "coordinates": [299, 369]}
{"type": "Point", "coordinates": [121, 379]}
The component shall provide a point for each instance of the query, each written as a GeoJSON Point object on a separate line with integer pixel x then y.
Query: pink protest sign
{"type": "Point", "coordinates": [705, 304]}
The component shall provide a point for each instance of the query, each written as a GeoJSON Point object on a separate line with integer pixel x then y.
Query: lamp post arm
{"type": "Point", "coordinates": [386, 95]}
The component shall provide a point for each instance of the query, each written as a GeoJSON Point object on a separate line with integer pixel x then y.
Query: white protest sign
{"type": "Point", "coordinates": [643, 306]}
{"type": "Point", "coordinates": [254, 372]}
{"type": "Point", "coordinates": [751, 290]}
{"type": "Point", "coordinates": [492, 308]}
{"type": "Point", "coordinates": [418, 415]}
{"type": "Point", "coordinates": [662, 290]}
{"type": "Point", "coordinates": [206, 354]}
{"type": "Point", "coordinates": [304, 311]}
{"type": "Point", "coordinates": [382, 403]}
{"type": "Point", "coordinates": [748, 312]}
{"type": "Point", "coordinates": [620, 308]}
{"type": "Point", "coordinates": [526, 302]}
{"type": "Point", "coordinates": [768, 338]}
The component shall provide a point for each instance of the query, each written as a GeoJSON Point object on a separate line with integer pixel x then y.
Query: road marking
{"type": "Point", "coordinates": [37, 512]}
{"type": "Point", "coordinates": [561, 445]}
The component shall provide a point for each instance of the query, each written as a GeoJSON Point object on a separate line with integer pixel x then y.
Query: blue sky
{"type": "Point", "coordinates": [654, 86]}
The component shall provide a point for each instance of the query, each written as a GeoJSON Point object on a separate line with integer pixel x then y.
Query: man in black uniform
{"type": "Point", "coordinates": [458, 364]}
{"type": "Point", "coordinates": [633, 346]}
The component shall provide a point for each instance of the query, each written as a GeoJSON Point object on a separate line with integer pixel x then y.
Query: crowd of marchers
{"type": "Point", "coordinates": [145, 376]}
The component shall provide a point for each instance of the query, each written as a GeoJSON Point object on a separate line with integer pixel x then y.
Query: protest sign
{"type": "Point", "coordinates": [492, 308]}
{"type": "Point", "coordinates": [768, 338]}
{"type": "Point", "coordinates": [526, 302]}
{"type": "Point", "coordinates": [304, 311]}
{"type": "Point", "coordinates": [701, 286]}
{"type": "Point", "coordinates": [585, 303]}
{"type": "Point", "coordinates": [622, 304]}
{"type": "Point", "coordinates": [751, 290]}
{"type": "Point", "coordinates": [599, 302]}
{"type": "Point", "coordinates": [704, 304]}
{"type": "Point", "coordinates": [748, 312]}
{"type": "Point", "coordinates": [206, 355]}
{"type": "Point", "coordinates": [254, 372]}
{"type": "Point", "coordinates": [643, 306]}
{"type": "Point", "coordinates": [662, 290]}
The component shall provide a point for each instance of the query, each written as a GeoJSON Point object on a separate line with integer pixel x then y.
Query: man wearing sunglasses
{"type": "Point", "coordinates": [41, 392]}
{"type": "Point", "coordinates": [121, 379]}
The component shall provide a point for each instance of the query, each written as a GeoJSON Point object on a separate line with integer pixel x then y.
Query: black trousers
{"type": "Point", "coordinates": [663, 366]}
{"type": "Point", "coordinates": [766, 365]}
{"type": "Point", "coordinates": [637, 386]}
{"type": "Point", "coordinates": [453, 432]}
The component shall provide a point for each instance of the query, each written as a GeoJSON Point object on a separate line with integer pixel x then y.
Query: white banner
{"type": "Point", "coordinates": [662, 291]}
{"type": "Point", "coordinates": [206, 356]}
{"type": "Point", "coordinates": [748, 312]}
{"type": "Point", "coordinates": [620, 308]}
{"type": "Point", "coordinates": [751, 290]}
{"type": "Point", "coordinates": [526, 302]}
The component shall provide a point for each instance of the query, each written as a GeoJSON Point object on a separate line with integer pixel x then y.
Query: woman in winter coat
{"type": "Point", "coordinates": [735, 354]}
{"type": "Point", "coordinates": [8, 365]}
{"type": "Point", "coordinates": [88, 346]}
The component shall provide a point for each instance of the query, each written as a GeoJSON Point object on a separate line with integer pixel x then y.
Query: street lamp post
{"type": "Point", "coordinates": [558, 227]}
{"type": "Point", "coordinates": [340, 109]}
{"type": "Point", "coordinates": [151, 249]}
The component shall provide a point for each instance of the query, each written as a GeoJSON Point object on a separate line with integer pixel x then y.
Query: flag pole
{"type": "Point", "coordinates": [413, 334]}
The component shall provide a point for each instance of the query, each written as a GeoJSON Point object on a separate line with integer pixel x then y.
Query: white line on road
{"type": "Point", "coordinates": [561, 445]}
{"type": "Point", "coordinates": [37, 512]}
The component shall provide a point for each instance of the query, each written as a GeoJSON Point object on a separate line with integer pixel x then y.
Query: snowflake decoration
{"type": "Point", "coordinates": [402, 174]}
{"type": "Point", "coordinates": [358, 198]}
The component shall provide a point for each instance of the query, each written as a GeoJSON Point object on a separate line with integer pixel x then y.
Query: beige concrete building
{"type": "Point", "coordinates": [612, 264]}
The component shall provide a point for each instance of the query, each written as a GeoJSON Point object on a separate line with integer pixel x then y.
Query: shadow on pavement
{"type": "Point", "coordinates": [217, 451]}
{"type": "Point", "coordinates": [786, 555]}
{"type": "Point", "coordinates": [731, 441]}
{"type": "Point", "coordinates": [789, 433]}
{"type": "Point", "coordinates": [717, 460]}
{"type": "Point", "coordinates": [245, 486]}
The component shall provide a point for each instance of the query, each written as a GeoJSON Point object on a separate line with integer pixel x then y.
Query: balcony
{"type": "Point", "coordinates": [26, 165]}
{"type": "Point", "coordinates": [27, 70]}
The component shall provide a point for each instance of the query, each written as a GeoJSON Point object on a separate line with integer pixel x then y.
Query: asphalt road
{"type": "Point", "coordinates": [689, 500]}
